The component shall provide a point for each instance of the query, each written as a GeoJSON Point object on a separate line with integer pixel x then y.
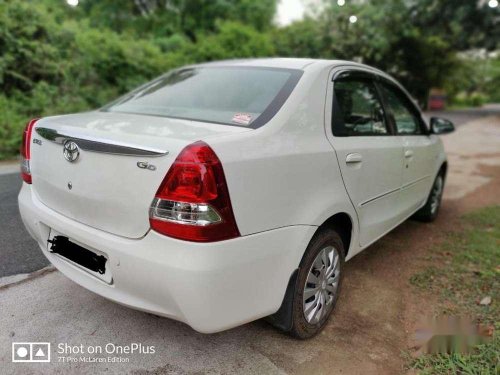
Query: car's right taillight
{"type": "Point", "coordinates": [26, 151]}
{"type": "Point", "coordinates": [192, 203]}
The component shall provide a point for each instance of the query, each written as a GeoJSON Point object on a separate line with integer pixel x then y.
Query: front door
{"type": "Point", "coordinates": [370, 157]}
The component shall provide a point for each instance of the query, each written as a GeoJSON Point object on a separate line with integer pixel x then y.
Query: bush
{"type": "Point", "coordinates": [463, 99]}
{"type": "Point", "coordinates": [233, 40]}
{"type": "Point", "coordinates": [11, 120]}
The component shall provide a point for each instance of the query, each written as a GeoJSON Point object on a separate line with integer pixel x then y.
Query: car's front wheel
{"type": "Point", "coordinates": [318, 284]}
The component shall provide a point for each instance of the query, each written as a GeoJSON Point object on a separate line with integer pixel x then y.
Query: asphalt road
{"type": "Point", "coordinates": [462, 116]}
{"type": "Point", "coordinates": [20, 254]}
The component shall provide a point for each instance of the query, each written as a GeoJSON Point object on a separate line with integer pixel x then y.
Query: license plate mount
{"type": "Point", "coordinates": [93, 262]}
{"type": "Point", "coordinates": [63, 246]}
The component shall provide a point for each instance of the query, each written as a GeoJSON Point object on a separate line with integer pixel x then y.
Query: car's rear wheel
{"type": "Point", "coordinates": [430, 211]}
{"type": "Point", "coordinates": [318, 284]}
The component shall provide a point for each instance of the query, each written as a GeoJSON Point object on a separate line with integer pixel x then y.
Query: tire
{"type": "Point", "coordinates": [430, 211]}
{"type": "Point", "coordinates": [326, 246]}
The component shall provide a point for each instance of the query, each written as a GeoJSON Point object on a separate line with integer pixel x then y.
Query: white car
{"type": "Point", "coordinates": [226, 192]}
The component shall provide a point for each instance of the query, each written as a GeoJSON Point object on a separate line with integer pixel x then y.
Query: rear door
{"type": "Point", "coordinates": [419, 151]}
{"type": "Point", "coordinates": [370, 157]}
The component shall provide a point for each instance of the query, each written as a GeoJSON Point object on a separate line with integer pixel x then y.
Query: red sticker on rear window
{"type": "Point", "coordinates": [242, 118]}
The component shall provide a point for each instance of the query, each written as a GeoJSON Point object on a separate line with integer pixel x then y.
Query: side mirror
{"type": "Point", "coordinates": [441, 126]}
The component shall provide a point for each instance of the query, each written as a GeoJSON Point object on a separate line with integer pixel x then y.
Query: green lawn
{"type": "Point", "coordinates": [466, 269]}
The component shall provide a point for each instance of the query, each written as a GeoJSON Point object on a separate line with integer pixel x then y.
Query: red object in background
{"type": "Point", "coordinates": [437, 100]}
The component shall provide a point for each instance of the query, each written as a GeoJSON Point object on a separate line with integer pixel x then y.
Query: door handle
{"type": "Point", "coordinates": [353, 158]}
{"type": "Point", "coordinates": [408, 154]}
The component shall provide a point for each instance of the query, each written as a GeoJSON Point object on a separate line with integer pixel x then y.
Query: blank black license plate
{"type": "Point", "coordinates": [64, 247]}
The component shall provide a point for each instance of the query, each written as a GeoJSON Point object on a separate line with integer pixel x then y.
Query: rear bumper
{"type": "Point", "coordinates": [211, 287]}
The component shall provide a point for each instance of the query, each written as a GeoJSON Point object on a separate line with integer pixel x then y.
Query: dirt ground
{"type": "Point", "coordinates": [372, 326]}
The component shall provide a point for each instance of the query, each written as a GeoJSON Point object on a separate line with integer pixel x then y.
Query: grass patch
{"type": "Point", "coordinates": [468, 270]}
{"type": "Point", "coordinates": [483, 360]}
{"type": "Point", "coordinates": [425, 279]}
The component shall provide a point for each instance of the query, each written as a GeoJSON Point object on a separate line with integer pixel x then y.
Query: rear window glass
{"type": "Point", "coordinates": [243, 96]}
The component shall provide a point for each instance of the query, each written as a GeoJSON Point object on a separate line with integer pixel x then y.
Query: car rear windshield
{"type": "Point", "coordinates": [242, 96]}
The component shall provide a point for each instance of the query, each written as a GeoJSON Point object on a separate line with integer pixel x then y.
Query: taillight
{"type": "Point", "coordinates": [26, 151]}
{"type": "Point", "coordinates": [192, 203]}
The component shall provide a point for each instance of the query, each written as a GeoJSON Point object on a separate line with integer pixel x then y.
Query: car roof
{"type": "Point", "coordinates": [287, 63]}
{"type": "Point", "coordinates": [304, 64]}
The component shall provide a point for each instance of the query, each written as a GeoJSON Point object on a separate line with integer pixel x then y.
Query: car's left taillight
{"type": "Point", "coordinates": [192, 203]}
{"type": "Point", "coordinates": [26, 151]}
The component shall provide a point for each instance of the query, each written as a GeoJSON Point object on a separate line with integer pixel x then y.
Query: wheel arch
{"type": "Point", "coordinates": [444, 169]}
{"type": "Point", "coordinates": [342, 223]}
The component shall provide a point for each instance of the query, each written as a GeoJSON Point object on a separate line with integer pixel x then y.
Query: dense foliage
{"type": "Point", "coordinates": [57, 59]}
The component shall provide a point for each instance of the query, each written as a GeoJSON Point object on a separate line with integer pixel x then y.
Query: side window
{"type": "Point", "coordinates": [403, 114]}
{"type": "Point", "coordinates": [358, 110]}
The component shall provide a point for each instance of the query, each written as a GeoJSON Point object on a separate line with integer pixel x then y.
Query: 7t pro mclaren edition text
{"type": "Point", "coordinates": [226, 192]}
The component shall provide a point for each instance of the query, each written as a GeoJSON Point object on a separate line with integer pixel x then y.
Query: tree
{"type": "Point", "coordinates": [463, 24]}
{"type": "Point", "coordinates": [386, 35]}
{"type": "Point", "coordinates": [163, 18]}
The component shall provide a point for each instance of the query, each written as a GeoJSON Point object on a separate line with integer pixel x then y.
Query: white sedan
{"type": "Point", "coordinates": [226, 192]}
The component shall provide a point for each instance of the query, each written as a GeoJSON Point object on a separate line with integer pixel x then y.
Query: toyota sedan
{"type": "Point", "coordinates": [222, 193]}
